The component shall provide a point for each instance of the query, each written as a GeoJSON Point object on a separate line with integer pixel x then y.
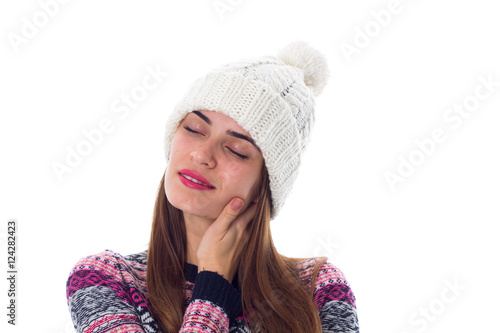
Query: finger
{"type": "Point", "coordinates": [230, 212]}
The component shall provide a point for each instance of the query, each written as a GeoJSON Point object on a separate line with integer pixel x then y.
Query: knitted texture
{"type": "Point", "coordinates": [272, 99]}
{"type": "Point", "coordinates": [107, 292]}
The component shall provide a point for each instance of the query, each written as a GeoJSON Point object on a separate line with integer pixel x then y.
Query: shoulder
{"type": "Point", "coordinates": [107, 268]}
{"type": "Point", "coordinates": [106, 290]}
{"type": "Point", "coordinates": [332, 294]}
{"type": "Point", "coordinates": [327, 273]}
{"type": "Point", "coordinates": [328, 282]}
{"type": "Point", "coordinates": [110, 261]}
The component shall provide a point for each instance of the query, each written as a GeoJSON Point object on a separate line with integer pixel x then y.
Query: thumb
{"type": "Point", "coordinates": [231, 211]}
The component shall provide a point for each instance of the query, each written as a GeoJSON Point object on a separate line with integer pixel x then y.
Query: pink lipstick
{"type": "Point", "coordinates": [194, 180]}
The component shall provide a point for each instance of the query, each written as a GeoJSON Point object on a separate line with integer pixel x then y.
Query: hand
{"type": "Point", "coordinates": [224, 240]}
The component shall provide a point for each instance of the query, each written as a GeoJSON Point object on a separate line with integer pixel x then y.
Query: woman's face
{"type": "Point", "coordinates": [212, 160]}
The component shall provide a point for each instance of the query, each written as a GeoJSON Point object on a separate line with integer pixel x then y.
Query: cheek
{"type": "Point", "coordinates": [241, 181]}
{"type": "Point", "coordinates": [167, 182]}
{"type": "Point", "coordinates": [174, 192]}
{"type": "Point", "coordinates": [170, 172]}
{"type": "Point", "coordinates": [179, 151]}
{"type": "Point", "coordinates": [178, 145]}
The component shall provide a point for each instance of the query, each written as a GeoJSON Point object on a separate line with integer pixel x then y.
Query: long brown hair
{"type": "Point", "coordinates": [274, 299]}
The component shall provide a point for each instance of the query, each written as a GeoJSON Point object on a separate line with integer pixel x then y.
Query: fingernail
{"type": "Point", "coordinates": [236, 204]}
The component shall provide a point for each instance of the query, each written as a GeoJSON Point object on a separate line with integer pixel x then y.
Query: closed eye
{"type": "Point", "coordinates": [190, 130]}
{"type": "Point", "coordinates": [237, 154]}
{"type": "Point", "coordinates": [243, 157]}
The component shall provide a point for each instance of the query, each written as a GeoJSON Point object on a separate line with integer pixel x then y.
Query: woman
{"type": "Point", "coordinates": [233, 147]}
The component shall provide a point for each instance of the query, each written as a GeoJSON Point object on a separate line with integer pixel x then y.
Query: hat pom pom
{"type": "Point", "coordinates": [311, 61]}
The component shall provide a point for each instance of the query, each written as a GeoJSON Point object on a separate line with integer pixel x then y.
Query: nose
{"type": "Point", "coordinates": [203, 154]}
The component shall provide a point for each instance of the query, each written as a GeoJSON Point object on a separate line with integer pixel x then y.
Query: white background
{"type": "Point", "coordinates": [397, 248]}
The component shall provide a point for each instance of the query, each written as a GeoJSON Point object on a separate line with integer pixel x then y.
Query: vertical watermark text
{"type": "Point", "coordinates": [12, 271]}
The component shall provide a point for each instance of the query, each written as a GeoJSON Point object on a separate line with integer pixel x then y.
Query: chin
{"type": "Point", "coordinates": [190, 203]}
{"type": "Point", "coordinates": [187, 206]}
{"type": "Point", "coordinates": [203, 213]}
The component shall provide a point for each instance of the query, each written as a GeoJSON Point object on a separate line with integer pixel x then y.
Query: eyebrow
{"type": "Point", "coordinates": [242, 136]}
{"type": "Point", "coordinates": [202, 116]}
{"type": "Point", "coordinates": [228, 132]}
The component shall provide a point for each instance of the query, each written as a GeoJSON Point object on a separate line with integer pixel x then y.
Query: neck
{"type": "Point", "coordinates": [195, 229]}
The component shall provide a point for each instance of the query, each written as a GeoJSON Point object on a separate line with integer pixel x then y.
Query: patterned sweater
{"type": "Point", "coordinates": [107, 292]}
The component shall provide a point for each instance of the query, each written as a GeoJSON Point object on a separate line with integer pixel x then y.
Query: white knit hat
{"type": "Point", "coordinates": [272, 99]}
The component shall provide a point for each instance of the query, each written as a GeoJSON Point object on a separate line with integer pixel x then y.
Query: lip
{"type": "Point", "coordinates": [198, 177]}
